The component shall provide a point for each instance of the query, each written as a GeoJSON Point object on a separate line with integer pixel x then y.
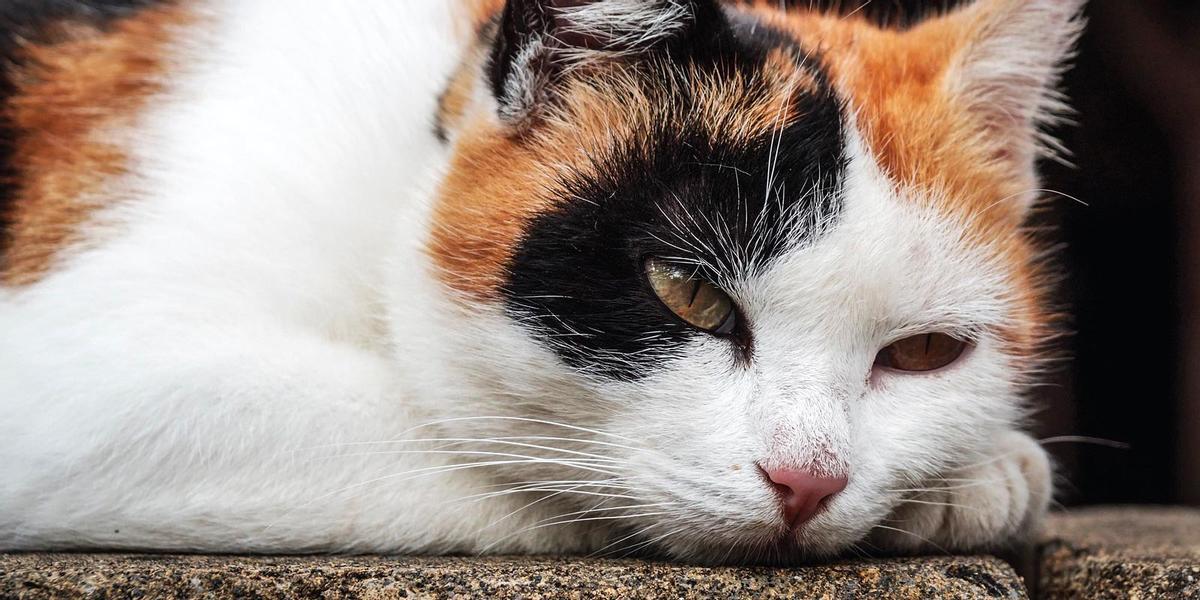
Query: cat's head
{"type": "Point", "coordinates": [727, 244]}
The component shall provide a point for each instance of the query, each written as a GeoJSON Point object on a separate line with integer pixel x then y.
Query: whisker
{"type": "Point", "coordinates": [1079, 439]}
{"type": "Point", "coordinates": [946, 504]}
{"type": "Point", "coordinates": [575, 490]}
{"type": "Point", "coordinates": [640, 532]}
{"type": "Point", "coordinates": [521, 419]}
{"type": "Point", "coordinates": [433, 470]}
{"type": "Point", "coordinates": [858, 551]}
{"type": "Point", "coordinates": [972, 483]}
{"type": "Point", "coordinates": [506, 438]}
{"type": "Point", "coordinates": [653, 541]}
{"type": "Point", "coordinates": [535, 502]}
{"type": "Point", "coordinates": [605, 497]}
{"type": "Point", "coordinates": [451, 442]}
{"type": "Point", "coordinates": [1030, 191]}
{"type": "Point", "coordinates": [574, 462]}
{"type": "Point", "coordinates": [577, 520]}
{"type": "Point", "coordinates": [988, 461]}
{"type": "Point", "coordinates": [919, 537]}
{"type": "Point", "coordinates": [616, 483]}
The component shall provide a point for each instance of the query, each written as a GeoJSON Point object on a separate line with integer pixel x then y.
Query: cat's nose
{"type": "Point", "coordinates": [802, 494]}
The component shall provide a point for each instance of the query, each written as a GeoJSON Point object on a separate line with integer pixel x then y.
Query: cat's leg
{"type": "Point", "coordinates": [212, 441]}
{"type": "Point", "coordinates": [988, 504]}
{"type": "Point", "coordinates": [242, 438]}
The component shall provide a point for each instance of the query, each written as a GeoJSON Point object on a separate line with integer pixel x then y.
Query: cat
{"type": "Point", "coordinates": [711, 281]}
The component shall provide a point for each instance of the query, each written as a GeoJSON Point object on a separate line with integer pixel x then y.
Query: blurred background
{"type": "Point", "coordinates": [1131, 256]}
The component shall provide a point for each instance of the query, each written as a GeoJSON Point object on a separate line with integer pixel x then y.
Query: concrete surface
{"type": "Point", "coordinates": [133, 576]}
{"type": "Point", "coordinates": [1137, 553]}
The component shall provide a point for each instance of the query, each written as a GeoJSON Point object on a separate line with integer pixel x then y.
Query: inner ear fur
{"type": "Point", "coordinates": [1006, 71]}
{"type": "Point", "coordinates": [537, 43]}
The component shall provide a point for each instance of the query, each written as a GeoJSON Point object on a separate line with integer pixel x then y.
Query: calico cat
{"type": "Point", "coordinates": [722, 282]}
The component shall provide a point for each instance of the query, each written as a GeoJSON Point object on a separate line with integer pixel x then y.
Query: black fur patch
{"type": "Point", "coordinates": [577, 279]}
{"type": "Point", "coordinates": [30, 20]}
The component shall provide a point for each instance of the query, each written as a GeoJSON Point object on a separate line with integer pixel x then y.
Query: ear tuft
{"type": "Point", "coordinates": [1009, 70]}
{"type": "Point", "coordinates": [540, 41]}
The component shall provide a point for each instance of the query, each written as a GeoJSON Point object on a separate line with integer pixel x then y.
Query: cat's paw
{"type": "Point", "coordinates": [984, 505]}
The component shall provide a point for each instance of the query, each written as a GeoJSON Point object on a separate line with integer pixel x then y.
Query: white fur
{"type": "Point", "coordinates": [237, 365]}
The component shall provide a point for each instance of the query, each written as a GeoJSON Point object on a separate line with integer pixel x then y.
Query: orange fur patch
{"type": "Point", "coordinates": [896, 83]}
{"type": "Point", "coordinates": [478, 220]}
{"type": "Point", "coordinates": [71, 97]}
{"type": "Point", "coordinates": [926, 139]}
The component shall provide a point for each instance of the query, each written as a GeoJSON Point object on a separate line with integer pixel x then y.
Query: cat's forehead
{"type": "Point", "coordinates": [740, 148]}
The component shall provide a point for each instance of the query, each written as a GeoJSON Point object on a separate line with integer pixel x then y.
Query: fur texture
{"type": "Point", "coordinates": [369, 279]}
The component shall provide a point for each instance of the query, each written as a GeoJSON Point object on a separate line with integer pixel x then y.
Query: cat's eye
{"type": "Point", "coordinates": [922, 353]}
{"type": "Point", "coordinates": [697, 301]}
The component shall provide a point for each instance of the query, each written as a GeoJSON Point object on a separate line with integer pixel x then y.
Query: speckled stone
{"type": "Point", "coordinates": [140, 576]}
{"type": "Point", "coordinates": [1135, 553]}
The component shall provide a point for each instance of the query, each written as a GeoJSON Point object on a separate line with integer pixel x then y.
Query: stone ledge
{"type": "Point", "coordinates": [1133, 552]}
{"type": "Point", "coordinates": [1144, 553]}
{"type": "Point", "coordinates": [130, 576]}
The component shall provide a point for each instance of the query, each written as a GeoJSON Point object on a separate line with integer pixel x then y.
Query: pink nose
{"type": "Point", "coordinates": [803, 494]}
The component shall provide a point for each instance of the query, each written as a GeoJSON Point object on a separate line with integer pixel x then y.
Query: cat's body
{"type": "Point", "coordinates": [271, 283]}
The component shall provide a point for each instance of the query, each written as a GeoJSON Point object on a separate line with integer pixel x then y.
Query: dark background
{"type": "Point", "coordinates": [1128, 256]}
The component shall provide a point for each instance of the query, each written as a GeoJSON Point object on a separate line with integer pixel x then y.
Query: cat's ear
{"type": "Point", "coordinates": [1007, 69]}
{"type": "Point", "coordinates": [538, 42]}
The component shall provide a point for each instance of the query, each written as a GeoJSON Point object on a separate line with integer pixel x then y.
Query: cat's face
{"type": "Point", "coordinates": [720, 243]}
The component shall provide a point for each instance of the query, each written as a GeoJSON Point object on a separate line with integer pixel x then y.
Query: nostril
{"type": "Point", "coordinates": [801, 493]}
{"type": "Point", "coordinates": [781, 489]}
{"type": "Point", "coordinates": [784, 491]}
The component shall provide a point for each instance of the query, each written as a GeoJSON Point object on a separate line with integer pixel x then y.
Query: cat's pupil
{"type": "Point", "coordinates": [697, 302]}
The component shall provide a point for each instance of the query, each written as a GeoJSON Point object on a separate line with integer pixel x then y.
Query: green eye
{"type": "Point", "coordinates": [698, 302]}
